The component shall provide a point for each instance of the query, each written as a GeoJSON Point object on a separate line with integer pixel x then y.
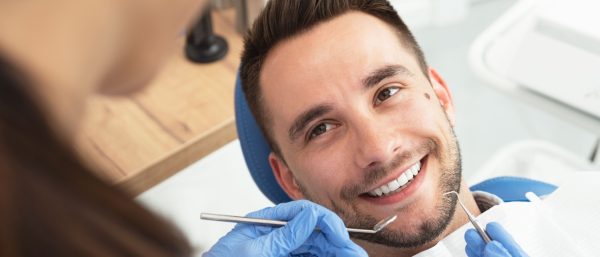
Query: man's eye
{"type": "Point", "coordinates": [385, 93]}
{"type": "Point", "coordinates": [320, 129]}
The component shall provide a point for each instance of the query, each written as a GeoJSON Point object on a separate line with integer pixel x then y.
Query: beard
{"type": "Point", "coordinates": [429, 229]}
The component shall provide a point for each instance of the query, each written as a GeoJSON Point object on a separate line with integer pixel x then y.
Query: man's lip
{"type": "Point", "coordinates": [395, 175]}
{"type": "Point", "coordinates": [404, 192]}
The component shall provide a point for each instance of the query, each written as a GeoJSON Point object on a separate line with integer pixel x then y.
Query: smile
{"type": "Point", "coordinates": [398, 183]}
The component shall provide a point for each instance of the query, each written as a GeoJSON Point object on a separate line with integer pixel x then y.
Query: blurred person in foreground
{"type": "Point", "coordinates": [54, 55]}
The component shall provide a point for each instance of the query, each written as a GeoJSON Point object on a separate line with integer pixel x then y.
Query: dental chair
{"type": "Point", "coordinates": [256, 151]}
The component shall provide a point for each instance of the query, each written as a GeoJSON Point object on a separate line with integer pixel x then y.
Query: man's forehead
{"type": "Point", "coordinates": [339, 53]}
{"type": "Point", "coordinates": [347, 40]}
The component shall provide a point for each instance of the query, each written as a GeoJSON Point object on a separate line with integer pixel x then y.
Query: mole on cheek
{"type": "Point", "coordinates": [427, 96]}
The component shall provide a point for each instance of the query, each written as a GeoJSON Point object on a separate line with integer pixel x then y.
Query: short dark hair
{"type": "Point", "coordinates": [283, 19]}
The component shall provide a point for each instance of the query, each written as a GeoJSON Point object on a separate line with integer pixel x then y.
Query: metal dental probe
{"type": "Point", "coordinates": [478, 227]}
{"type": "Point", "coordinates": [278, 223]}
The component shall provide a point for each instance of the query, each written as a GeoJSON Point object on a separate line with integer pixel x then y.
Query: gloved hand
{"type": "Point", "coordinates": [502, 244]}
{"type": "Point", "coordinates": [297, 237]}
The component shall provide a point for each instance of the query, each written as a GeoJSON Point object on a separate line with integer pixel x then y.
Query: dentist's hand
{"type": "Point", "coordinates": [297, 237]}
{"type": "Point", "coordinates": [502, 244]}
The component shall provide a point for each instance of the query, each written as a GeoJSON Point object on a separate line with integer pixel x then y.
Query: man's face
{"type": "Point", "coordinates": [362, 130]}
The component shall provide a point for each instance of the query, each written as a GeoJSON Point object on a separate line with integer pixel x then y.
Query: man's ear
{"type": "Point", "coordinates": [285, 177]}
{"type": "Point", "coordinates": [443, 94]}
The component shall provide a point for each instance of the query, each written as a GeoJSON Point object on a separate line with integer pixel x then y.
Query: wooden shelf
{"type": "Point", "coordinates": [186, 113]}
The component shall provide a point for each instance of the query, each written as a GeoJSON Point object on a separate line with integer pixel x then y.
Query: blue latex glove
{"type": "Point", "coordinates": [297, 238]}
{"type": "Point", "coordinates": [502, 245]}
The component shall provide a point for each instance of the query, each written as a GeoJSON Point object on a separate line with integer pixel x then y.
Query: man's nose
{"type": "Point", "coordinates": [375, 142]}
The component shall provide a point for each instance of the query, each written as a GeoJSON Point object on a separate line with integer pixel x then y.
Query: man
{"type": "Point", "coordinates": [356, 119]}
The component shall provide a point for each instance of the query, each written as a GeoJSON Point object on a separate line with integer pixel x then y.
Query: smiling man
{"type": "Point", "coordinates": [356, 119]}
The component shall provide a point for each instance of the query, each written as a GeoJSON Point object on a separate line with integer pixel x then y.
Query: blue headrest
{"type": "Point", "coordinates": [256, 149]}
{"type": "Point", "coordinates": [513, 189]}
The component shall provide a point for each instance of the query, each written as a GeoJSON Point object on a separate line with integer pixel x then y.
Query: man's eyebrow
{"type": "Point", "coordinates": [306, 117]}
{"type": "Point", "coordinates": [385, 72]}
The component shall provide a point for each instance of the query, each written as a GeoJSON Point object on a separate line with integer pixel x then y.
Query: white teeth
{"type": "Point", "coordinates": [403, 179]}
{"type": "Point", "coordinates": [393, 185]}
{"type": "Point", "coordinates": [415, 169]}
{"type": "Point", "coordinates": [399, 182]}
{"type": "Point", "coordinates": [409, 175]}
{"type": "Point", "coordinates": [385, 189]}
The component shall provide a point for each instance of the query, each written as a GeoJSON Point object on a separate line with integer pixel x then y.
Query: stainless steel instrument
{"type": "Point", "coordinates": [278, 223]}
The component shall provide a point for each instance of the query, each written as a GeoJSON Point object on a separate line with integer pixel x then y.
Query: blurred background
{"type": "Point", "coordinates": [502, 129]}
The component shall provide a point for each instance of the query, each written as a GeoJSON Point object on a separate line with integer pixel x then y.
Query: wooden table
{"type": "Point", "coordinates": [186, 113]}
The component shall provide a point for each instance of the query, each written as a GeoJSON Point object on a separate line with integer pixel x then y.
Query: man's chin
{"type": "Point", "coordinates": [423, 234]}
{"type": "Point", "coordinates": [419, 224]}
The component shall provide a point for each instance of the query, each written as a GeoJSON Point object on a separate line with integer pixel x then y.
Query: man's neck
{"type": "Point", "coordinates": [458, 219]}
